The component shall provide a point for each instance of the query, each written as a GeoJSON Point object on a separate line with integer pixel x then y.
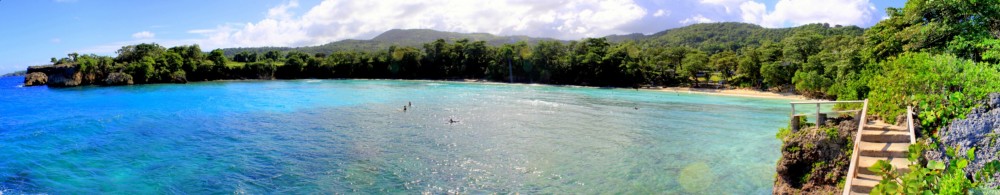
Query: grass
{"type": "Point", "coordinates": [232, 64]}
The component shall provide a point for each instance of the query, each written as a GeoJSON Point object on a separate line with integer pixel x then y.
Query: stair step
{"type": "Point", "coordinates": [864, 183]}
{"type": "Point", "coordinates": [885, 136]}
{"type": "Point", "coordinates": [881, 149]}
{"type": "Point", "coordinates": [879, 125]}
{"type": "Point", "coordinates": [901, 164]}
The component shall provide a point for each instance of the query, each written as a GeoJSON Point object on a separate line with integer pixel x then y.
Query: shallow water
{"type": "Point", "coordinates": [351, 136]}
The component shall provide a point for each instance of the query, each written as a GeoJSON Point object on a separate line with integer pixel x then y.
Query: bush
{"type": "Point", "coordinates": [942, 87]}
{"type": "Point", "coordinates": [936, 177]}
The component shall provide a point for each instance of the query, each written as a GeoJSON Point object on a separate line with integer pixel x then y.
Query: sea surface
{"type": "Point", "coordinates": [353, 137]}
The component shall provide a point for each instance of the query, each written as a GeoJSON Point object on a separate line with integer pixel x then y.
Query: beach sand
{"type": "Point", "coordinates": [707, 91]}
{"type": "Point", "coordinates": [732, 92]}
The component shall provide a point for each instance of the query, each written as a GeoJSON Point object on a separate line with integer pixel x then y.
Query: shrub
{"type": "Point", "coordinates": [941, 86]}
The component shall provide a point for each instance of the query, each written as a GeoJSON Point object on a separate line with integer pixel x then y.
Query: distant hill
{"type": "Point", "coordinates": [710, 37]}
{"type": "Point", "coordinates": [714, 37]}
{"type": "Point", "coordinates": [14, 74]}
{"type": "Point", "coordinates": [398, 37]}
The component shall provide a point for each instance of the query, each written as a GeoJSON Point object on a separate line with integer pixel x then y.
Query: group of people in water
{"type": "Point", "coordinates": [409, 105]}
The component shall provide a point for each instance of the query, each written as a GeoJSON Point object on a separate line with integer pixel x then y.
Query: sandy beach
{"type": "Point", "coordinates": [706, 91]}
{"type": "Point", "coordinates": [731, 92]}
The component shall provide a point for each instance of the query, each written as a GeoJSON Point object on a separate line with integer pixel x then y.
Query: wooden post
{"type": "Point", "coordinates": [795, 123]}
{"type": "Point", "coordinates": [821, 119]}
{"type": "Point", "coordinates": [818, 123]}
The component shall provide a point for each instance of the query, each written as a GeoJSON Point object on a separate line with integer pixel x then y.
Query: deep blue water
{"type": "Point", "coordinates": [351, 136]}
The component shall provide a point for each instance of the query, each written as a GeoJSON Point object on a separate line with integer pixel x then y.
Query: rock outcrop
{"type": "Point", "coordinates": [118, 78]}
{"type": "Point", "coordinates": [35, 79]}
{"type": "Point", "coordinates": [815, 159]}
{"type": "Point", "coordinates": [62, 75]}
{"type": "Point", "coordinates": [981, 130]}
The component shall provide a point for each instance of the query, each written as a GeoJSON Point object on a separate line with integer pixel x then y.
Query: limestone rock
{"type": "Point", "coordinates": [813, 160]}
{"type": "Point", "coordinates": [35, 79]}
{"type": "Point", "coordinates": [62, 75]}
{"type": "Point", "coordinates": [118, 78]}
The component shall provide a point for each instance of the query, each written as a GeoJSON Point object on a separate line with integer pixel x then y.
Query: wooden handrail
{"type": "Point", "coordinates": [851, 172]}
{"type": "Point", "coordinates": [909, 124]}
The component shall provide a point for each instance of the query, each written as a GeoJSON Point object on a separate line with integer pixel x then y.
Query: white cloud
{"type": "Point", "coordinates": [65, 1]}
{"type": "Point", "coordinates": [143, 35]}
{"type": "Point", "coordinates": [798, 12]}
{"type": "Point", "coordinates": [752, 11]}
{"type": "Point", "coordinates": [334, 20]}
{"type": "Point", "coordinates": [281, 11]}
{"type": "Point", "coordinates": [661, 13]}
{"type": "Point", "coordinates": [729, 5]}
{"type": "Point", "coordinates": [55, 40]}
{"type": "Point", "coordinates": [696, 19]}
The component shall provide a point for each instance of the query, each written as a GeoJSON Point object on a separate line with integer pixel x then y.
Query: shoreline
{"type": "Point", "coordinates": [732, 92]}
{"type": "Point", "coordinates": [748, 93]}
{"type": "Point", "coordinates": [704, 91]}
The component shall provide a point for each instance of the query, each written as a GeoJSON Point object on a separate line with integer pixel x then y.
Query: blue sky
{"type": "Point", "coordinates": [35, 30]}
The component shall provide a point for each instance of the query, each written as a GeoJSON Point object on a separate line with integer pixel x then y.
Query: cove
{"type": "Point", "coordinates": [352, 136]}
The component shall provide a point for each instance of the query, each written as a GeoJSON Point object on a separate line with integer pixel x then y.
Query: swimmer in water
{"type": "Point", "coordinates": [452, 121]}
{"type": "Point", "coordinates": [404, 108]}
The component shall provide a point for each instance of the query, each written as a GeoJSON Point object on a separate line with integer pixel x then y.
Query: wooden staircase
{"type": "Point", "coordinates": [875, 141]}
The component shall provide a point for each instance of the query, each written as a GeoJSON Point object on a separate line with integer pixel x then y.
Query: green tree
{"type": "Point", "coordinates": [725, 62]}
{"type": "Point", "coordinates": [133, 53]}
{"type": "Point", "coordinates": [143, 70]}
{"type": "Point", "coordinates": [694, 63]}
{"type": "Point", "coordinates": [217, 57]}
{"type": "Point", "coordinates": [777, 74]}
{"type": "Point", "coordinates": [748, 68]}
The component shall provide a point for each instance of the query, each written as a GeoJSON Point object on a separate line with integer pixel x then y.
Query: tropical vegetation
{"type": "Point", "coordinates": [939, 56]}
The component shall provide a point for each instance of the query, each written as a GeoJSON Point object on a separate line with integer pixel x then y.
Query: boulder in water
{"type": "Point", "coordinates": [35, 79]}
{"type": "Point", "coordinates": [118, 78]}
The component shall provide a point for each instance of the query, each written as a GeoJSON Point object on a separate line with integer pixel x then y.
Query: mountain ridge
{"type": "Point", "coordinates": [712, 37]}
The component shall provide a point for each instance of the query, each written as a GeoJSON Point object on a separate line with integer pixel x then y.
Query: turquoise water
{"type": "Point", "coordinates": [351, 136]}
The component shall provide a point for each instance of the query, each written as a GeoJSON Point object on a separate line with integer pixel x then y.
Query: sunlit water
{"type": "Point", "coordinates": [351, 136]}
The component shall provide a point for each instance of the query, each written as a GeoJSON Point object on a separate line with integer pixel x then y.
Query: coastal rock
{"type": "Point", "coordinates": [62, 75]}
{"type": "Point", "coordinates": [178, 77]}
{"type": "Point", "coordinates": [815, 159]}
{"type": "Point", "coordinates": [981, 130]}
{"type": "Point", "coordinates": [35, 79]}
{"type": "Point", "coordinates": [118, 78]}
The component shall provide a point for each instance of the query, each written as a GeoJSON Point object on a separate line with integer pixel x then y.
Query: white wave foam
{"type": "Point", "coordinates": [539, 103]}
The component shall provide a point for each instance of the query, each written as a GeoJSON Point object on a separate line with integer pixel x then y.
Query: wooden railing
{"type": "Point", "coordinates": [851, 171]}
{"type": "Point", "coordinates": [819, 114]}
{"type": "Point", "coordinates": [909, 124]}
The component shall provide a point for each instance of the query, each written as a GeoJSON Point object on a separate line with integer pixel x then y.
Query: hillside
{"type": "Point", "coordinates": [397, 37]}
{"type": "Point", "coordinates": [715, 37]}
{"type": "Point", "coordinates": [709, 37]}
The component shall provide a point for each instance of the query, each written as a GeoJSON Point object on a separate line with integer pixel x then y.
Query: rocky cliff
{"type": "Point", "coordinates": [981, 130]}
{"type": "Point", "coordinates": [815, 159]}
{"type": "Point", "coordinates": [63, 75]}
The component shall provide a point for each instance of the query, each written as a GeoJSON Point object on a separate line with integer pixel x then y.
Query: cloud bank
{"type": "Point", "coordinates": [334, 20]}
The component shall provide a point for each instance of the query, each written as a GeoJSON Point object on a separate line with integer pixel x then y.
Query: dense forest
{"type": "Point", "coordinates": [731, 54]}
{"type": "Point", "coordinates": [396, 37]}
